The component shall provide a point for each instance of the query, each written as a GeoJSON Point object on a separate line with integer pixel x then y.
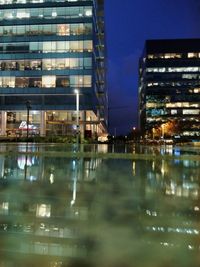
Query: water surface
{"type": "Point", "coordinates": [94, 210]}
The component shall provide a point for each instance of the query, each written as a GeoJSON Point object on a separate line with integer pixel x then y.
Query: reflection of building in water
{"type": "Point", "coordinates": [81, 208]}
{"type": "Point", "coordinates": [36, 216]}
{"type": "Point", "coordinates": [170, 194]}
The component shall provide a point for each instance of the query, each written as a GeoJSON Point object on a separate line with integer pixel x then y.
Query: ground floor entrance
{"type": "Point", "coordinates": [49, 123]}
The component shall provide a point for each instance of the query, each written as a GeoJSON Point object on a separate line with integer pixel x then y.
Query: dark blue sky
{"type": "Point", "coordinates": [128, 24]}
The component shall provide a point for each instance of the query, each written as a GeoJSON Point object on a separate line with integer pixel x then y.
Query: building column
{"type": "Point", "coordinates": [3, 122]}
{"type": "Point", "coordinates": [43, 123]}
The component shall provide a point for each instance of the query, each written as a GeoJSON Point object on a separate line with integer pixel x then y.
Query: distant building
{"type": "Point", "coordinates": [47, 50]}
{"type": "Point", "coordinates": [169, 88]}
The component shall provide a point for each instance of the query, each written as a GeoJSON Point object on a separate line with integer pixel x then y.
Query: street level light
{"type": "Point", "coordinates": [134, 129]}
{"type": "Point", "coordinates": [77, 115]}
{"type": "Point", "coordinates": [163, 131]}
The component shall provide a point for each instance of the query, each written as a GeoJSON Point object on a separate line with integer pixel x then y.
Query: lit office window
{"type": "Point", "coordinates": [190, 76]}
{"type": "Point", "coordinates": [4, 207]}
{"type": "Point", "coordinates": [22, 13]}
{"type": "Point", "coordinates": [52, 13]}
{"type": "Point", "coordinates": [87, 80]}
{"type": "Point", "coordinates": [174, 111]}
{"type": "Point", "coordinates": [88, 12]}
{"type": "Point", "coordinates": [88, 46]}
{"type": "Point", "coordinates": [193, 55]}
{"type": "Point", "coordinates": [191, 112]}
{"type": "Point", "coordinates": [191, 133]}
{"type": "Point", "coordinates": [152, 105]}
{"type": "Point", "coordinates": [173, 69]}
{"type": "Point", "coordinates": [150, 56]}
{"type": "Point", "coordinates": [49, 81]}
{"type": "Point", "coordinates": [164, 56]}
{"type": "Point", "coordinates": [172, 55]}
{"type": "Point", "coordinates": [7, 81]}
{"type": "Point", "coordinates": [184, 69]}
{"type": "Point", "coordinates": [81, 81]}
{"type": "Point", "coordinates": [182, 105]}
{"type": "Point", "coordinates": [197, 90]}
{"type": "Point", "coordinates": [63, 29]}
{"type": "Point", "coordinates": [76, 46]}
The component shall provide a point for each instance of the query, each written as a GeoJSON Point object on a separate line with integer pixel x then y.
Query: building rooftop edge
{"type": "Point", "coordinates": [172, 45]}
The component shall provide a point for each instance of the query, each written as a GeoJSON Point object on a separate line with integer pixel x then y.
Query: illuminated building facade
{"type": "Point", "coordinates": [169, 88]}
{"type": "Point", "coordinates": [47, 50]}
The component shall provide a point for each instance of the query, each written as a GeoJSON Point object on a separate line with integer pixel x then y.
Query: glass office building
{"type": "Point", "coordinates": [49, 49]}
{"type": "Point", "coordinates": [169, 88]}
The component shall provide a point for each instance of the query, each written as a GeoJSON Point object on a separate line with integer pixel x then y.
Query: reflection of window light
{"type": "Point", "coordinates": [22, 161]}
{"type": "Point", "coordinates": [51, 178]}
{"type": "Point", "coordinates": [4, 208]}
{"type": "Point", "coordinates": [43, 210]}
{"type": "Point", "coordinates": [32, 178]}
{"type": "Point", "coordinates": [186, 163]}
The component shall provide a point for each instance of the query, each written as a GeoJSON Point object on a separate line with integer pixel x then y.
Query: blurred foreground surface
{"type": "Point", "coordinates": [57, 211]}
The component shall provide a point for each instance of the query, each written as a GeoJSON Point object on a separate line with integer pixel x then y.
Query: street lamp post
{"type": "Point", "coordinates": [134, 128]}
{"type": "Point", "coordinates": [77, 116]}
{"type": "Point", "coordinates": [28, 106]}
{"type": "Point", "coordinates": [163, 131]}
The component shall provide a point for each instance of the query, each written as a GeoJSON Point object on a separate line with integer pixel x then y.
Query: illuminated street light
{"type": "Point", "coordinates": [163, 130]}
{"type": "Point", "coordinates": [134, 128]}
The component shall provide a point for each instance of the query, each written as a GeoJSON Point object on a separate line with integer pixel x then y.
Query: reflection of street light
{"type": "Point", "coordinates": [75, 179]}
{"type": "Point", "coordinates": [77, 116]}
{"type": "Point", "coordinates": [28, 106]}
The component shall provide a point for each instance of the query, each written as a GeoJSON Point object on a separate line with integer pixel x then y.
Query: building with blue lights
{"type": "Point", "coordinates": [47, 50]}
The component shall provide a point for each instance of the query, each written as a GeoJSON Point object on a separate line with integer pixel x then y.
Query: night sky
{"type": "Point", "coordinates": [128, 24]}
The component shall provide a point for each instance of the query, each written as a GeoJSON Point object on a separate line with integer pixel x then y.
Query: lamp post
{"type": "Point", "coordinates": [163, 131]}
{"type": "Point", "coordinates": [28, 106]}
{"type": "Point", "coordinates": [77, 115]}
{"type": "Point", "coordinates": [134, 128]}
